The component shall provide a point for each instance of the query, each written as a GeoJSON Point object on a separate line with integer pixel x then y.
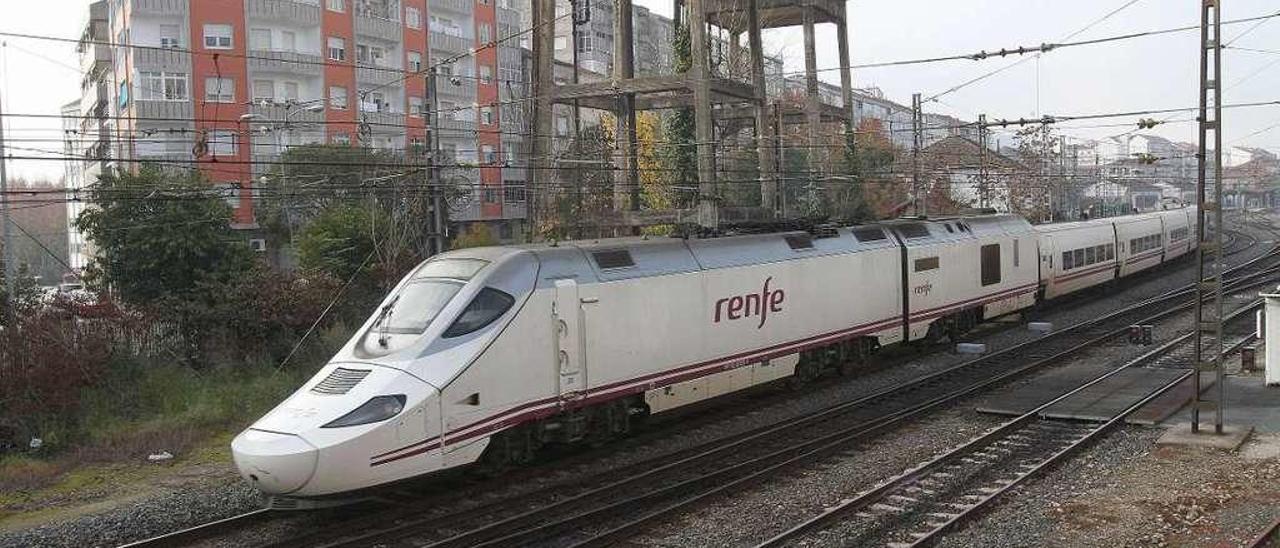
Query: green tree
{"type": "Point", "coordinates": [680, 153]}
{"type": "Point", "coordinates": [586, 169]}
{"type": "Point", "coordinates": [309, 179]}
{"type": "Point", "coordinates": [340, 241]}
{"type": "Point", "coordinates": [159, 235]}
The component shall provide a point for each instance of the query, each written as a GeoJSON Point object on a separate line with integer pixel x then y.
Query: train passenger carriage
{"type": "Point", "coordinates": [484, 355]}
{"type": "Point", "coordinates": [1179, 232]}
{"type": "Point", "coordinates": [1076, 256]}
{"type": "Point", "coordinates": [1139, 242]}
{"type": "Point", "coordinates": [960, 271]}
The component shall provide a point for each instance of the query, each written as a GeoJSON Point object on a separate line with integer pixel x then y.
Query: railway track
{"type": "Point", "coordinates": [186, 537]}
{"type": "Point", "coordinates": [560, 507]}
{"type": "Point", "coordinates": [919, 506]}
{"type": "Point", "coordinates": [599, 512]}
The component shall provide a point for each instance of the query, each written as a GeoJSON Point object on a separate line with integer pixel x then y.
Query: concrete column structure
{"type": "Point", "coordinates": [704, 125]}
{"type": "Point", "coordinates": [544, 93]}
{"type": "Point", "coordinates": [766, 137]}
{"type": "Point", "coordinates": [626, 188]}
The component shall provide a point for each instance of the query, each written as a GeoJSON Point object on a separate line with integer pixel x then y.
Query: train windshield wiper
{"type": "Point", "coordinates": [384, 320]}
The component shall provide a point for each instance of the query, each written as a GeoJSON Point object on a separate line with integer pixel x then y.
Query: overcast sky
{"type": "Point", "coordinates": [1139, 74]}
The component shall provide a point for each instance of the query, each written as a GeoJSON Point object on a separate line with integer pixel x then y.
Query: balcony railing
{"type": "Point", "coordinates": [441, 42]}
{"type": "Point", "coordinates": [164, 109]}
{"type": "Point", "coordinates": [380, 76]}
{"type": "Point", "coordinates": [302, 64]}
{"type": "Point", "coordinates": [162, 59]}
{"type": "Point", "coordinates": [299, 12]}
{"type": "Point", "coordinates": [161, 7]}
{"type": "Point", "coordinates": [384, 29]}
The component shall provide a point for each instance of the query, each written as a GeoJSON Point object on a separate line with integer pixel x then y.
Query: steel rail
{"type": "Point", "coordinates": [186, 537]}
{"type": "Point", "coordinates": [1005, 431]}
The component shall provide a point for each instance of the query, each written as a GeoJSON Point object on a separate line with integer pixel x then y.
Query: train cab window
{"type": "Point", "coordinates": [488, 305]}
{"type": "Point", "coordinates": [990, 264]}
{"type": "Point", "coordinates": [869, 234]}
{"type": "Point", "coordinates": [619, 258]}
{"type": "Point", "coordinates": [912, 231]}
{"type": "Point", "coordinates": [800, 242]}
{"type": "Point", "coordinates": [928, 263]}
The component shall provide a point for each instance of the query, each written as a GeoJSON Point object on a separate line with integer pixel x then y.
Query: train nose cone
{"type": "Point", "coordinates": [277, 464]}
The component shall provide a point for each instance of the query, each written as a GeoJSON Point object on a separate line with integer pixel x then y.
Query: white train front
{"type": "Point", "coordinates": [486, 354]}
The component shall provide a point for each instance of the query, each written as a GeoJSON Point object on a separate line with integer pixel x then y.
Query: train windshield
{"type": "Point", "coordinates": [425, 295]}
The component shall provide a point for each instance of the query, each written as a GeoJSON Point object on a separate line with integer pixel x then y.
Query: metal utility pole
{"type": "Point", "coordinates": [984, 190]}
{"type": "Point", "coordinates": [1063, 183]}
{"type": "Point", "coordinates": [921, 197]}
{"type": "Point", "coordinates": [10, 264]}
{"type": "Point", "coordinates": [439, 242]}
{"type": "Point", "coordinates": [1208, 347]}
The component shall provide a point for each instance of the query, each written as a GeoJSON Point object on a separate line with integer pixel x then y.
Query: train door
{"type": "Point", "coordinates": [570, 352]}
{"type": "Point", "coordinates": [1047, 273]}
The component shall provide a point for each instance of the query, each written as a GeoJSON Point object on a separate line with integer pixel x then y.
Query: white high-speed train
{"type": "Point", "coordinates": [487, 354]}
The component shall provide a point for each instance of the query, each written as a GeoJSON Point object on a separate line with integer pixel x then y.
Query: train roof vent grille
{"type": "Point", "coordinates": [340, 381]}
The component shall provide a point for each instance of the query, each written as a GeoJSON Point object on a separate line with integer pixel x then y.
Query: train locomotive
{"type": "Point", "coordinates": [485, 355]}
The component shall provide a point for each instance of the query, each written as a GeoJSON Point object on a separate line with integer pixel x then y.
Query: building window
{"type": "Point", "coordinates": [260, 39]}
{"type": "Point", "coordinates": [217, 36]}
{"type": "Point", "coordinates": [342, 138]}
{"type": "Point", "coordinates": [290, 91]}
{"type": "Point", "coordinates": [415, 107]}
{"type": "Point", "coordinates": [371, 55]}
{"type": "Point", "coordinates": [337, 49]}
{"type": "Point", "coordinates": [488, 156]}
{"type": "Point", "coordinates": [219, 90]}
{"type": "Point", "coordinates": [486, 74]}
{"type": "Point", "coordinates": [513, 192]}
{"type": "Point", "coordinates": [222, 142]}
{"type": "Point", "coordinates": [415, 61]}
{"type": "Point", "coordinates": [288, 41]}
{"type": "Point", "coordinates": [336, 5]}
{"type": "Point", "coordinates": [413, 18]}
{"type": "Point", "coordinates": [264, 91]}
{"type": "Point", "coordinates": [490, 195]}
{"type": "Point", "coordinates": [485, 33]}
{"type": "Point", "coordinates": [486, 115]}
{"type": "Point", "coordinates": [163, 86]}
{"type": "Point", "coordinates": [170, 36]}
{"type": "Point", "coordinates": [338, 97]}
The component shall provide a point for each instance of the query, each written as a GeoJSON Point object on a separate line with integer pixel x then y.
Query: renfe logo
{"type": "Point", "coordinates": [754, 304]}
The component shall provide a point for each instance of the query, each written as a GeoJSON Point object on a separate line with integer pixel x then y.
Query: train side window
{"type": "Point", "coordinates": [1079, 257]}
{"type": "Point", "coordinates": [1090, 255]}
{"type": "Point", "coordinates": [927, 263]}
{"type": "Point", "coordinates": [869, 234]}
{"type": "Point", "coordinates": [990, 264]}
{"type": "Point", "coordinates": [620, 258]}
{"type": "Point", "coordinates": [1066, 261]}
{"type": "Point", "coordinates": [489, 305]}
{"type": "Point", "coordinates": [1111, 252]}
{"type": "Point", "coordinates": [1015, 253]}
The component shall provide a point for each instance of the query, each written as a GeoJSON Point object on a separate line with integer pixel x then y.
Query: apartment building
{"type": "Point", "coordinates": [87, 126]}
{"type": "Point", "coordinates": [232, 84]}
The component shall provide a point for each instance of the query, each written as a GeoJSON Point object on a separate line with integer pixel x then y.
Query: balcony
{"type": "Point", "coordinates": [383, 122]}
{"type": "Point", "coordinates": [180, 110]}
{"type": "Point", "coordinates": [448, 43]}
{"type": "Point", "coordinates": [297, 12]}
{"type": "Point", "coordinates": [287, 62]}
{"type": "Point", "coordinates": [283, 117]}
{"type": "Point", "coordinates": [466, 88]}
{"type": "Point", "coordinates": [94, 57]}
{"type": "Point", "coordinates": [167, 8]}
{"type": "Point", "coordinates": [162, 60]}
{"type": "Point", "coordinates": [449, 124]}
{"type": "Point", "coordinates": [380, 76]}
{"type": "Point", "coordinates": [382, 29]}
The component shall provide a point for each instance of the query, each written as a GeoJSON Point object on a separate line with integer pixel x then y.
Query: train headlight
{"type": "Point", "coordinates": [377, 409]}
